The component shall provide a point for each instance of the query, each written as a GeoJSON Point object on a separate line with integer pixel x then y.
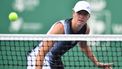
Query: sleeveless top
{"type": "Point", "coordinates": [61, 47]}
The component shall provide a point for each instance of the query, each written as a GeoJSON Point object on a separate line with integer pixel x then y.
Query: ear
{"type": "Point", "coordinates": [73, 13]}
{"type": "Point", "coordinates": [89, 15]}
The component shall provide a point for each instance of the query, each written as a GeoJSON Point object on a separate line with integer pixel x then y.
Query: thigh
{"type": "Point", "coordinates": [31, 61]}
{"type": "Point", "coordinates": [57, 64]}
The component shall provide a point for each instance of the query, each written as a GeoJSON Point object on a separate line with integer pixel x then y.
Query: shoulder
{"type": "Point", "coordinates": [57, 28]}
{"type": "Point", "coordinates": [59, 25]}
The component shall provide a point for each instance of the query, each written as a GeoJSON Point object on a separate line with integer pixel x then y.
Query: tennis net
{"type": "Point", "coordinates": [16, 50]}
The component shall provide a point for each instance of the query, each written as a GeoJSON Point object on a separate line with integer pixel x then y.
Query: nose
{"type": "Point", "coordinates": [82, 16]}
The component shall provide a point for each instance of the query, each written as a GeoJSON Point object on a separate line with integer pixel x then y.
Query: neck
{"type": "Point", "coordinates": [75, 27]}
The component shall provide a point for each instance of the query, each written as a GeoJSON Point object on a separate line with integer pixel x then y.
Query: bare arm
{"type": "Point", "coordinates": [47, 45]}
{"type": "Point", "coordinates": [42, 52]}
{"type": "Point", "coordinates": [87, 50]}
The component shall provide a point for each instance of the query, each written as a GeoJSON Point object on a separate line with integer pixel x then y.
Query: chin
{"type": "Point", "coordinates": [80, 23]}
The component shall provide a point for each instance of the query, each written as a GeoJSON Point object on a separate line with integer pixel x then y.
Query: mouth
{"type": "Point", "coordinates": [81, 21]}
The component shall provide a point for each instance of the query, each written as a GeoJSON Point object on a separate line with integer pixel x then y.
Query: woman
{"type": "Point", "coordinates": [49, 53]}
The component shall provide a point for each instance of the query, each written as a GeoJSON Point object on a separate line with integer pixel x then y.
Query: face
{"type": "Point", "coordinates": [81, 17]}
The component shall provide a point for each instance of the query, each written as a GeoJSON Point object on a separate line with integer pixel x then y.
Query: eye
{"type": "Point", "coordinates": [83, 12]}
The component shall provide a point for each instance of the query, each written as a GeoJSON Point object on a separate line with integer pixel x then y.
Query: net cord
{"type": "Point", "coordinates": [61, 37]}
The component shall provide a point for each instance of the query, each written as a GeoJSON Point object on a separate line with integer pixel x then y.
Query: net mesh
{"type": "Point", "coordinates": [14, 51]}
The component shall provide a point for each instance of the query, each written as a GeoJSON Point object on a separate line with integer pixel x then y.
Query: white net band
{"type": "Point", "coordinates": [61, 37]}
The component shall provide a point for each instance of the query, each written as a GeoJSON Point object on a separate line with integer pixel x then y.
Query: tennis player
{"type": "Point", "coordinates": [47, 55]}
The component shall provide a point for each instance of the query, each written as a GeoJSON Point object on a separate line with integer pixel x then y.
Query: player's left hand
{"type": "Point", "coordinates": [107, 68]}
{"type": "Point", "coordinates": [104, 65]}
